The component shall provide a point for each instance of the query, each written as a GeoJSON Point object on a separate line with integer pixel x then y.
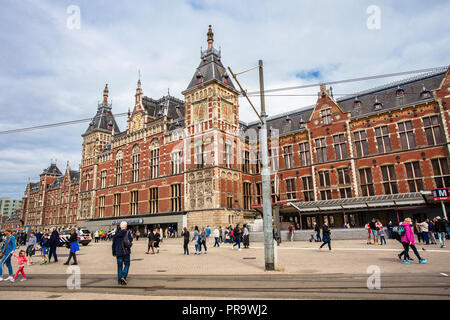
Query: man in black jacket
{"type": "Point", "coordinates": [121, 249]}
{"type": "Point", "coordinates": [441, 229]}
{"type": "Point", "coordinates": [53, 242]}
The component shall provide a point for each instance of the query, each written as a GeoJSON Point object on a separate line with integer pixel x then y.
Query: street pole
{"type": "Point", "coordinates": [269, 247]}
{"type": "Point", "coordinates": [444, 210]}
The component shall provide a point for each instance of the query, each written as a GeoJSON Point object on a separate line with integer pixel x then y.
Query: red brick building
{"type": "Point", "coordinates": [190, 162]}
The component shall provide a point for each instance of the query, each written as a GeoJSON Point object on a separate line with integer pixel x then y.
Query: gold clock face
{"type": "Point", "coordinates": [199, 112]}
{"type": "Point", "coordinates": [226, 112]}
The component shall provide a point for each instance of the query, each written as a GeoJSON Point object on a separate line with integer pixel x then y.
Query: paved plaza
{"type": "Point", "coordinates": [304, 273]}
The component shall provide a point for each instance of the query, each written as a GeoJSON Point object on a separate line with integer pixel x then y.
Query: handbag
{"type": "Point", "coordinates": [2, 254]}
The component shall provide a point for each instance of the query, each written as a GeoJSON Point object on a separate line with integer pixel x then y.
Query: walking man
{"type": "Point", "coordinates": [441, 229]}
{"type": "Point", "coordinates": [216, 237]}
{"type": "Point", "coordinates": [54, 241]}
{"type": "Point", "coordinates": [121, 249]}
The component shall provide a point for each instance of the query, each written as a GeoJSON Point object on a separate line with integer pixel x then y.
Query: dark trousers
{"type": "Point", "coordinates": [52, 252]}
{"type": "Point", "coordinates": [325, 242]}
{"type": "Point", "coordinates": [318, 236]}
{"type": "Point", "coordinates": [202, 243]}
{"type": "Point", "coordinates": [425, 237]}
{"type": "Point", "coordinates": [420, 236]}
{"type": "Point", "coordinates": [186, 247]}
{"type": "Point", "coordinates": [72, 255]}
{"type": "Point", "coordinates": [406, 251]}
{"type": "Point", "coordinates": [216, 244]}
{"type": "Point", "coordinates": [123, 265]}
{"type": "Point", "coordinates": [382, 239]}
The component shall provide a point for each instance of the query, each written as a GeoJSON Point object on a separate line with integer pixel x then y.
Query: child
{"type": "Point", "coordinates": [382, 238]}
{"type": "Point", "coordinates": [45, 249]}
{"type": "Point", "coordinates": [312, 238]}
{"type": "Point", "coordinates": [21, 260]}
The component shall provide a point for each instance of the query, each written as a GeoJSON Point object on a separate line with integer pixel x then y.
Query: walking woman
{"type": "Point", "coordinates": [9, 245]}
{"type": "Point", "coordinates": [203, 241]}
{"type": "Point", "coordinates": [237, 237]}
{"type": "Point", "coordinates": [197, 238]}
{"type": "Point", "coordinates": [186, 237]}
{"type": "Point", "coordinates": [326, 236]}
{"type": "Point", "coordinates": [408, 241]}
{"type": "Point", "coordinates": [73, 246]}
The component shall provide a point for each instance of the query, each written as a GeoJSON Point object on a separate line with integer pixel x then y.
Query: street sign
{"type": "Point", "coordinates": [441, 194]}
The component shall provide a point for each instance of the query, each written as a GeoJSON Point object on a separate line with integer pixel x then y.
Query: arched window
{"type": "Point", "coordinates": [136, 158]}
{"type": "Point", "coordinates": [118, 168]}
{"type": "Point", "coordinates": [154, 159]}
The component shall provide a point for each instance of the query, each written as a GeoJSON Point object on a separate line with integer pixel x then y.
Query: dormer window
{"type": "Point", "coordinates": [199, 77]}
{"type": "Point", "coordinates": [326, 116]}
{"type": "Point", "coordinates": [425, 93]}
{"type": "Point", "coordinates": [378, 105]}
{"type": "Point", "coordinates": [302, 123]}
{"type": "Point", "coordinates": [400, 92]}
{"type": "Point", "coordinates": [288, 120]}
{"type": "Point", "coordinates": [357, 102]}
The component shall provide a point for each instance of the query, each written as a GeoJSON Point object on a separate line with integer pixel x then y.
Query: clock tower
{"type": "Point", "coordinates": [212, 142]}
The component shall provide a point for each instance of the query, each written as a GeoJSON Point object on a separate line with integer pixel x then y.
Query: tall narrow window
{"type": "Point", "coordinates": [153, 200]}
{"type": "Point", "coordinates": [247, 195]}
{"type": "Point", "coordinates": [291, 191]}
{"type": "Point", "coordinates": [432, 130]}
{"type": "Point", "coordinates": [228, 154]}
{"type": "Point", "coordinates": [175, 197]}
{"type": "Point", "coordinates": [441, 172]}
{"type": "Point", "coordinates": [326, 116]}
{"type": "Point", "coordinates": [273, 159]}
{"type": "Point", "coordinates": [340, 146]}
{"type": "Point", "coordinates": [321, 150]}
{"type": "Point", "coordinates": [344, 175]}
{"type": "Point", "coordinates": [414, 176]}
{"type": "Point", "coordinates": [287, 156]}
{"type": "Point", "coordinates": [101, 206]}
{"type": "Point", "coordinates": [365, 175]}
{"type": "Point", "coordinates": [308, 189]}
{"type": "Point", "coordinates": [383, 141]}
{"type": "Point", "coordinates": [135, 160]}
{"type": "Point", "coordinates": [362, 148]}
{"type": "Point", "coordinates": [257, 164]}
{"type": "Point", "coordinates": [389, 179]}
{"type": "Point", "coordinates": [116, 209]}
{"type": "Point", "coordinates": [175, 162]}
{"type": "Point", "coordinates": [324, 182]}
{"type": "Point", "coordinates": [259, 192]}
{"type": "Point", "coordinates": [406, 132]}
{"type": "Point", "coordinates": [118, 168]}
{"type": "Point", "coordinates": [246, 164]}
{"type": "Point", "coordinates": [154, 160]}
{"type": "Point", "coordinates": [134, 202]}
{"type": "Point", "coordinates": [103, 179]}
{"type": "Point", "coordinates": [305, 156]}
{"type": "Point", "coordinates": [199, 155]}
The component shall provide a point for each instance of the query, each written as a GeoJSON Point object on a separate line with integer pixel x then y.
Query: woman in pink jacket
{"type": "Point", "coordinates": [408, 241]}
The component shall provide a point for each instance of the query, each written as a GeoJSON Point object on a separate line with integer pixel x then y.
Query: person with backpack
{"type": "Point", "coordinates": [441, 230]}
{"type": "Point", "coordinates": [185, 234]}
{"type": "Point", "coordinates": [121, 249]}
{"type": "Point", "coordinates": [326, 235]}
{"type": "Point", "coordinates": [407, 238]}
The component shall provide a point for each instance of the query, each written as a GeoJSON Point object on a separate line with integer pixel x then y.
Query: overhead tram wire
{"type": "Point", "coordinates": [253, 93]}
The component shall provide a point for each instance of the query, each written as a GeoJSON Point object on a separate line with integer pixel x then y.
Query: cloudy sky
{"type": "Point", "coordinates": [52, 72]}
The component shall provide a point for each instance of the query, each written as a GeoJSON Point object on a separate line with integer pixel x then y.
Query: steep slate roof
{"type": "Point", "coordinates": [386, 94]}
{"type": "Point", "coordinates": [167, 105]}
{"type": "Point", "coordinates": [74, 176]}
{"type": "Point", "coordinates": [209, 69]}
{"type": "Point", "coordinates": [52, 170]}
{"type": "Point", "coordinates": [34, 187]}
{"type": "Point", "coordinates": [102, 118]}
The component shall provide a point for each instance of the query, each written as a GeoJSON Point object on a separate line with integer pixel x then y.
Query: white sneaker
{"type": "Point", "coordinates": [24, 279]}
{"type": "Point", "coordinates": [232, 247]}
{"type": "Point", "coordinates": [10, 279]}
{"type": "Point", "coordinates": [1, 279]}
{"type": "Point", "coordinates": [240, 249]}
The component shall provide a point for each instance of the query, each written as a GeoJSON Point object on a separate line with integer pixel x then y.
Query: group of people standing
{"type": "Point", "coordinates": [236, 236]}
{"type": "Point", "coordinates": [429, 231]}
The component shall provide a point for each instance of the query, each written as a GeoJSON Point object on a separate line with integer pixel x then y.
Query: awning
{"type": "Point", "coordinates": [385, 201]}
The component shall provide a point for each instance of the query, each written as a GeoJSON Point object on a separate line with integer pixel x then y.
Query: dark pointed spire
{"type": "Point", "coordinates": [105, 94]}
{"type": "Point", "coordinates": [210, 36]}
